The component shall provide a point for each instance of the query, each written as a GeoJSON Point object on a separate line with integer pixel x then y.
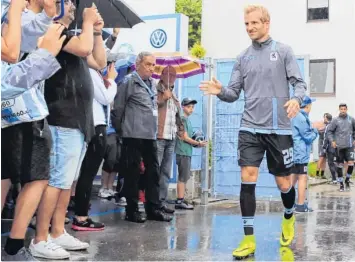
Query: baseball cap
{"type": "Point", "coordinates": [307, 100]}
{"type": "Point", "coordinates": [187, 101]}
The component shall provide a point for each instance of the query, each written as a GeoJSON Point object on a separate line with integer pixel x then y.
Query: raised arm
{"type": "Point", "coordinates": [103, 95]}
{"type": "Point", "coordinates": [11, 39]}
{"type": "Point", "coordinates": [294, 76]}
{"type": "Point", "coordinates": [38, 66]}
{"type": "Point", "coordinates": [83, 44]}
{"type": "Point", "coordinates": [307, 133]}
{"type": "Point", "coordinates": [98, 59]}
{"type": "Point", "coordinates": [231, 92]}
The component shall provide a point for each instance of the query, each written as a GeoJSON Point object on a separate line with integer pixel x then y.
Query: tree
{"type": "Point", "coordinates": [198, 51]}
{"type": "Point", "coordinates": [192, 9]}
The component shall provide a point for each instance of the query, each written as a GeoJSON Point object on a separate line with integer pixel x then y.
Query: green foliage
{"type": "Point", "coordinates": [192, 9]}
{"type": "Point", "coordinates": [198, 51]}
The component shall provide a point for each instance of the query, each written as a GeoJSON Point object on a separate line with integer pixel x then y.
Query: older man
{"type": "Point", "coordinates": [169, 123]}
{"type": "Point", "coordinates": [135, 117]}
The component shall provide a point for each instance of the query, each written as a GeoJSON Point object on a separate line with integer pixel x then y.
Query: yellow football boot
{"type": "Point", "coordinates": [287, 231]}
{"type": "Point", "coordinates": [246, 248]}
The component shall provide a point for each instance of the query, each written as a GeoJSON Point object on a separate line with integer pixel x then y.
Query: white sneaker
{"type": "Point", "coordinates": [111, 192]}
{"type": "Point", "coordinates": [69, 242]}
{"type": "Point", "coordinates": [121, 202]}
{"type": "Point", "coordinates": [103, 193]}
{"type": "Point", "coordinates": [48, 250]}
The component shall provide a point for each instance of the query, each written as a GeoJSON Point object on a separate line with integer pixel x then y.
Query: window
{"type": "Point", "coordinates": [322, 77]}
{"type": "Point", "coordinates": [317, 10]}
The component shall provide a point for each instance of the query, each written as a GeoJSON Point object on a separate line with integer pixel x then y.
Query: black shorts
{"type": "Point", "coordinates": [331, 156]}
{"type": "Point", "coordinates": [300, 169]}
{"type": "Point", "coordinates": [112, 154]}
{"type": "Point", "coordinates": [321, 151]}
{"type": "Point", "coordinates": [345, 155]}
{"type": "Point", "coordinates": [25, 152]}
{"type": "Point", "coordinates": [278, 148]}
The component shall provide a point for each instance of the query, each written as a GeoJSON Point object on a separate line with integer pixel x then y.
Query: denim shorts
{"type": "Point", "coordinates": [68, 151]}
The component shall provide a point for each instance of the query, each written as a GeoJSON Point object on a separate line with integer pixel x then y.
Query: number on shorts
{"type": "Point", "coordinates": [288, 156]}
{"type": "Point", "coordinates": [352, 155]}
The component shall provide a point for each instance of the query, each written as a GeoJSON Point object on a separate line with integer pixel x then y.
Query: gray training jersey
{"type": "Point", "coordinates": [264, 71]}
{"type": "Point", "coordinates": [342, 131]}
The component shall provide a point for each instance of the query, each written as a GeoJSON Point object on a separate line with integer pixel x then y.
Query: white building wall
{"type": "Point", "coordinates": [224, 36]}
{"type": "Point", "coordinates": [152, 7]}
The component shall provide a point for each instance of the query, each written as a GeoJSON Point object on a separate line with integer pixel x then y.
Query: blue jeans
{"type": "Point", "coordinates": [165, 157]}
{"type": "Point", "coordinates": [68, 151]}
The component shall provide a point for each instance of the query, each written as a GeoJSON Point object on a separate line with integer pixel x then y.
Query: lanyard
{"type": "Point", "coordinates": [144, 85]}
{"type": "Point", "coordinates": [151, 94]}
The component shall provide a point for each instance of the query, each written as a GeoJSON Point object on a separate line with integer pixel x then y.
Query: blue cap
{"type": "Point", "coordinates": [307, 100]}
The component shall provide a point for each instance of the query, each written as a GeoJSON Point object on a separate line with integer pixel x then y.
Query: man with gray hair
{"type": "Point", "coordinates": [135, 118]}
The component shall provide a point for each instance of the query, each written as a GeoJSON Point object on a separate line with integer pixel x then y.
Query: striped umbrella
{"type": "Point", "coordinates": [185, 66]}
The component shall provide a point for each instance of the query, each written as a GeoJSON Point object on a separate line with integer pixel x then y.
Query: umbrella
{"type": "Point", "coordinates": [122, 65]}
{"type": "Point", "coordinates": [116, 13]}
{"type": "Point", "coordinates": [185, 66]}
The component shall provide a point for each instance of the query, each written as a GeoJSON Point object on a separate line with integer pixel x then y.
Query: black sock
{"type": "Point", "coordinates": [288, 199]}
{"type": "Point", "coordinates": [340, 174]}
{"type": "Point", "coordinates": [179, 200]}
{"type": "Point", "coordinates": [349, 173]}
{"type": "Point", "coordinates": [317, 173]}
{"type": "Point", "coordinates": [14, 245]}
{"type": "Point", "coordinates": [322, 173]}
{"type": "Point", "coordinates": [248, 207]}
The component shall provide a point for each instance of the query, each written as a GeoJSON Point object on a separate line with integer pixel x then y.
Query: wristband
{"type": "Point", "coordinates": [97, 33]}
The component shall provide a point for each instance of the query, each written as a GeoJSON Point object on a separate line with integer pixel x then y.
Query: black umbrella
{"type": "Point", "coordinates": [116, 13]}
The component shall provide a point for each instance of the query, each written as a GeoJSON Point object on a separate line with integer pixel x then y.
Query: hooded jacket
{"type": "Point", "coordinates": [303, 136]}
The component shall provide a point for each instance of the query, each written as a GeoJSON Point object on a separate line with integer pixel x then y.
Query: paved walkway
{"type": "Point", "coordinates": [211, 233]}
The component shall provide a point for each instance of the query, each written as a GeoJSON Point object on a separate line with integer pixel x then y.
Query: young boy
{"type": "Point", "coordinates": [303, 134]}
{"type": "Point", "coordinates": [184, 152]}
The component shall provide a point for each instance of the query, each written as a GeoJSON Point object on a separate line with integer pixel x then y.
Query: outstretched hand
{"type": "Point", "coordinates": [213, 87]}
{"type": "Point", "coordinates": [293, 107]}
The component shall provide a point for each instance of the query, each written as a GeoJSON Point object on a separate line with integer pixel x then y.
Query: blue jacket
{"type": "Point", "coordinates": [303, 136]}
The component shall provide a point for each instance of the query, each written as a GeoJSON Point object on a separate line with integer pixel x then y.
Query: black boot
{"type": "Point", "coordinates": [135, 216]}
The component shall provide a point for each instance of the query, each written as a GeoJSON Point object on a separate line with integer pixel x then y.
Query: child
{"type": "Point", "coordinates": [184, 153]}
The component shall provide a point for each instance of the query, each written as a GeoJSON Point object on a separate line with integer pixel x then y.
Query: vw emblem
{"type": "Point", "coordinates": [158, 38]}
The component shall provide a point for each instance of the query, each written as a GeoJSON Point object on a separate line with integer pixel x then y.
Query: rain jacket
{"type": "Point", "coordinates": [264, 71]}
{"type": "Point", "coordinates": [342, 131]}
{"type": "Point", "coordinates": [326, 143]}
{"type": "Point", "coordinates": [303, 136]}
{"type": "Point", "coordinates": [135, 111]}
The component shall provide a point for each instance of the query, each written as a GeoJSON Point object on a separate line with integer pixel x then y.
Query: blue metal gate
{"type": "Point", "coordinates": [227, 118]}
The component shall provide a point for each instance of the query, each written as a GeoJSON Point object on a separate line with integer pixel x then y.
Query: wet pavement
{"type": "Point", "coordinates": [211, 233]}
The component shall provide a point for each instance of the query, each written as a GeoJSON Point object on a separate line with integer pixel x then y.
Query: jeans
{"type": "Point", "coordinates": [165, 157]}
{"type": "Point", "coordinates": [67, 154]}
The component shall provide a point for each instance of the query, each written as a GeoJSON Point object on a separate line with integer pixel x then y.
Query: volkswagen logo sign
{"type": "Point", "coordinates": [158, 38]}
